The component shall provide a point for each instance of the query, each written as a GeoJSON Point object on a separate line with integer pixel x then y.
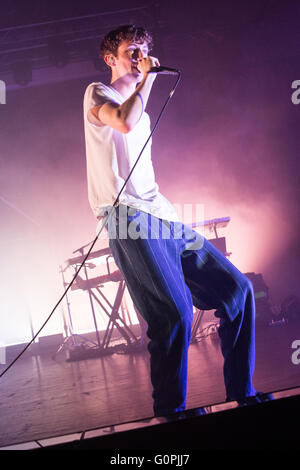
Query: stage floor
{"type": "Point", "coordinates": [42, 398]}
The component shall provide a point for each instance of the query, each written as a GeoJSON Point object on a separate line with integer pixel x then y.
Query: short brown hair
{"type": "Point", "coordinates": [129, 32]}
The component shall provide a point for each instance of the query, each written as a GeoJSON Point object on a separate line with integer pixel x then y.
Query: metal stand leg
{"type": "Point", "coordinates": [69, 330]}
{"type": "Point", "coordinates": [199, 315]}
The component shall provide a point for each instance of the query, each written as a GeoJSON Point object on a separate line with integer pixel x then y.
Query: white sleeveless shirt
{"type": "Point", "coordinates": [110, 156]}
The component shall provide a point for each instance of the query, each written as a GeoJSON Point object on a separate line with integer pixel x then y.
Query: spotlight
{"type": "Point", "coordinates": [22, 72]}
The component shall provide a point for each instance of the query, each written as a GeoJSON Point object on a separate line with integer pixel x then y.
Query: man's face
{"type": "Point", "coordinates": [129, 52]}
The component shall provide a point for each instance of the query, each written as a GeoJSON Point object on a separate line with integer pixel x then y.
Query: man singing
{"type": "Point", "coordinates": [165, 276]}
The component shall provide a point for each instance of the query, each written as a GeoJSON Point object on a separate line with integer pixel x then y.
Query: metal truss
{"type": "Point", "coordinates": [60, 42]}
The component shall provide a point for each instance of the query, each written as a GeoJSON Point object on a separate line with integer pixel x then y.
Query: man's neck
{"type": "Point", "coordinates": [123, 86]}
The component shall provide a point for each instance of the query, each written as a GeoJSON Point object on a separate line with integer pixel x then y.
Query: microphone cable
{"type": "Point", "coordinates": [100, 230]}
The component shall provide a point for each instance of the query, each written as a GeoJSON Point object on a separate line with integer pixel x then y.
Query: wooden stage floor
{"type": "Point", "coordinates": [41, 397]}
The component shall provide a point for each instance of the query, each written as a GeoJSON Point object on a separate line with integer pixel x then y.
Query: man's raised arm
{"type": "Point", "coordinates": [124, 117]}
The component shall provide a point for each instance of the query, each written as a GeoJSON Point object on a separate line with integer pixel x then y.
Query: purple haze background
{"type": "Point", "coordinates": [228, 140]}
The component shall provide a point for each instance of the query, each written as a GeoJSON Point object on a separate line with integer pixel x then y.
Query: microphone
{"type": "Point", "coordinates": [164, 70]}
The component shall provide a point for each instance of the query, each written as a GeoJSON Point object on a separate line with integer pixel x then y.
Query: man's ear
{"type": "Point", "coordinates": [110, 60]}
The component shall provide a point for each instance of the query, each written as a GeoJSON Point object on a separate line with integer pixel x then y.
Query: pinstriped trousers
{"type": "Point", "coordinates": [168, 268]}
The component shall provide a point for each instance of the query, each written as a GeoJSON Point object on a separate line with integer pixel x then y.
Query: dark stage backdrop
{"type": "Point", "coordinates": [228, 142]}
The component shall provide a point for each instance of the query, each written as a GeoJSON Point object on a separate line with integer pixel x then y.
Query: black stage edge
{"type": "Point", "coordinates": [271, 425]}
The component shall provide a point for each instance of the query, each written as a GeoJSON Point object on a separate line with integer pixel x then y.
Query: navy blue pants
{"type": "Point", "coordinates": [168, 268]}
